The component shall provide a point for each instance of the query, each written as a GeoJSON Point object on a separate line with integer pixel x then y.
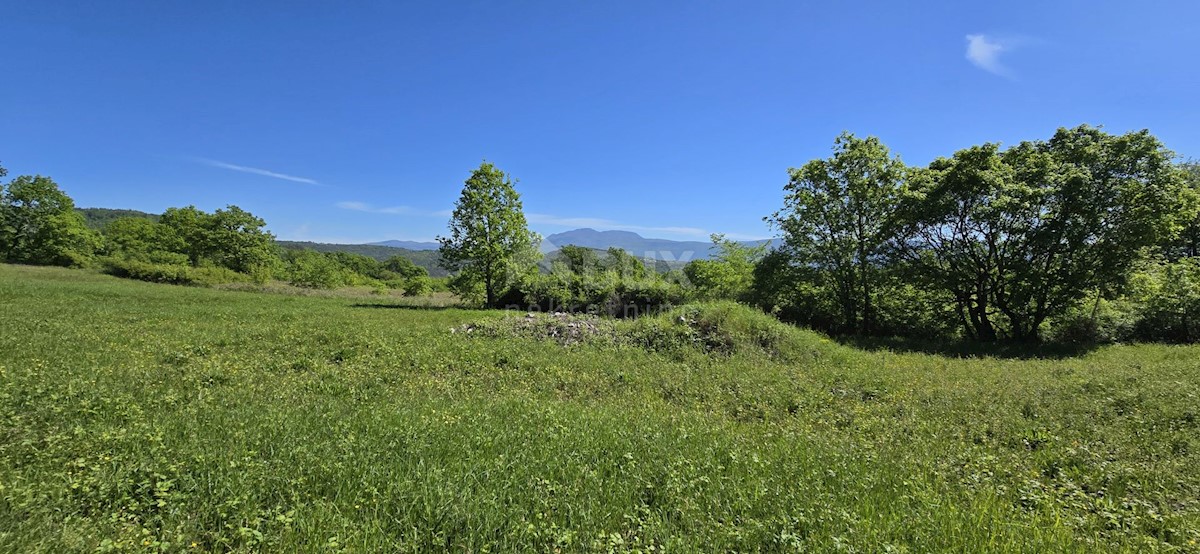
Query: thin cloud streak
{"type": "Point", "coordinates": [392, 210]}
{"type": "Point", "coordinates": [258, 171]}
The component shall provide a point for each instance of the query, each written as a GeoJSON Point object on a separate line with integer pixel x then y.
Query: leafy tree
{"type": "Point", "coordinates": [236, 239]}
{"type": "Point", "coordinates": [835, 219]}
{"type": "Point", "coordinates": [624, 264]}
{"type": "Point", "coordinates": [232, 238]}
{"type": "Point", "coordinates": [39, 225]}
{"type": "Point", "coordinates": [191, 226]}
{"type": "Point", "coordinates": [1188, 242]}
{"type": "Point", "coordinates": [142, 239]}
{"type": "Point", "coordinates": [729, 274]}
{"type": "Point", "coordinates": [418, 285]}
{"type": "Point", "coordinates": [1019, 236]}
{"type": "Point", "coordinates": [489, 243]}
{"type": "Point", "coordinates": [404, 267]}
{"type": "Point", "coordinates": [580, 260]}
{"type": "Point", "coordinates": [311, 269]}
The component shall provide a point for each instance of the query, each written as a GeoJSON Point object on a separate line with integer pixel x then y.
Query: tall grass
{"type": "Point", "coordinates": [144, 417]}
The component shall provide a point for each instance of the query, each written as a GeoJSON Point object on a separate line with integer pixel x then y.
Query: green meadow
{"type": "Point", "coordinates": [137, 417]}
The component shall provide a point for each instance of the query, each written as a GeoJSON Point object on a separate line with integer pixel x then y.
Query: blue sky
{"type": "Point", "coordinates": [358, 121]}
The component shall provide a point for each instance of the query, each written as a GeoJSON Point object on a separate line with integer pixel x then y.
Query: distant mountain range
{"type": "Point", "coordinates": [642, 247]}
{"type": "Point", "coordinates": [669, 253]}
{"type": "Point", "coordinates": [407, 244]}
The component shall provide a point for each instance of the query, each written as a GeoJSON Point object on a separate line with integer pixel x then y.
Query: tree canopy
{"type": "Point", "coordinates": [489, 241]}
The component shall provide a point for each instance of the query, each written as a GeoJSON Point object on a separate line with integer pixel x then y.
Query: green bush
{"type": "Point", "coordinates": [417, 285]}
{"type": "Point", "coordinates": [311, 269]}
{"type": "Point", "coordinates": [597, 292]}
{"type": "Point", "coordinates": [171, 274]}
{"type": "Point", "coordinates": [1169, 297]}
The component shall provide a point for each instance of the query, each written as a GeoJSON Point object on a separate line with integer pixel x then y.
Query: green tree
{"type": "Point", "coordinates": [191, 226]}
{"type": "Point", "coordinates": [489, 243]}
{"type": "Point", "coordinates": [236, 239]}
{"type": "Point", "coordinates": [729, 273]}
{"type": "Point", "coordinates": [311, 269]}
{"type": "Point", "coordinates": [39, 225]}
{"type": "Point", "coordinates": [1187, 244]}
{"type": "Point", "coordinates": [232, 238]}
{"type": "Point", "coordinates": [579, 259]}
{"type": "Point", "coordinates": [835, 219]}
{"type": "Point", "coordinates": [1021, 235]}
{"type": "Point", "coordinates": [624, 264]}
{"type": "Point", "coordinates": [141, 239]}
{"type": "Point", "coordinates": [404, 267]}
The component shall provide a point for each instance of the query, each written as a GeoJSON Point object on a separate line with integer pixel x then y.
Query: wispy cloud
{"type": "Point", "coordinates": [258, 171]}
{"type": "Point", "coordinates": [984, 52]}
{"type": "Point", "coordinates": [391, 210]}
{"type": "Point", "coordinates": [364, 207]}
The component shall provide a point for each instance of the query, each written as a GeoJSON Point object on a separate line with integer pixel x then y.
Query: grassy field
{"type": "Point", "coordinates": [142, 417]}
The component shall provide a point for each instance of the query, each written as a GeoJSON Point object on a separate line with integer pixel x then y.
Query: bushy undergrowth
{"type": "Point", "coordinates": [136, 418]}
{"type": "Point", "coordinates": [171, 274]}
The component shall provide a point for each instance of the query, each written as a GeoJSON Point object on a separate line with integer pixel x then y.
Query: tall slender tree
{"type": "Point", "coordinates": [489, 241]}
{"type": "Point", "coordinates": [835, 219]}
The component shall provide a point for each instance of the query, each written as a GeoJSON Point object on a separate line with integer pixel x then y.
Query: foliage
{"type": "Point", "coordinates": [1187, 244]}
{"type": "Point", "coordinates": [489, 244]}
{"type": "Point", "coordinates": [580, 281]}
{"type": "Point", "coordinates": [173, 274]}
{"type": "Point", "coordinates": [425, 259]}
{"type": "Point", "coordinates": [835, 219]}
{"type": "Point", "coordinates": [1022, 235]}
{"type": "Point", "coordinates": [417, 285]}
{"type": "Point", "coordinates": [142, 239]}
{"type": "Point", "coordinates": [311, 269]}
{"type": "Point", "coordinates": [232, 238]}
{"type": "Point", "coordinates": [729, 274]}
{"type": "Point", "coordinates": [404, 267]}
{"type": "Point", "coordinates": [1166, 297]}
{"type": "Point", "coordinates": [99, 218]}
{"type": "Point", "coordinates": [39, 225]}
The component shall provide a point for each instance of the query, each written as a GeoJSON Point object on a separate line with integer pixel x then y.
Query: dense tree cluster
{"type": "Point", "coordinates": [989, 243]}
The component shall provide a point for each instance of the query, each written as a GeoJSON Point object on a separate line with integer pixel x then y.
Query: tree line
{"type": "Point", "coordinates": [1086, 236]}
{"type": "Point", "coordinates": [39, 225]}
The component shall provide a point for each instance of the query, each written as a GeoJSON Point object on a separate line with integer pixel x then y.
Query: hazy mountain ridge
{"type": "Point", "coordinates": [643, 247]}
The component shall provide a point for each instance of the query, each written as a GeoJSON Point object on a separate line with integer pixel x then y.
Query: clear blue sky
{"type": "Point", "coordinates": [358, 121]}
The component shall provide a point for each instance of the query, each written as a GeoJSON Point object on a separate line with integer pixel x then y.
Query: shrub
{"type": "Point", "coordinates": [171, 274]}
{"type": "Point", "coordinates": [310, 269]}
{"type": "Point", "coordinates": [417, 285]}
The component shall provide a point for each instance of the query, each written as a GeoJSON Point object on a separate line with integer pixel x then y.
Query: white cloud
{"type": "Point", "coordinates": [364, 207]}
{"type": "Point", "coordinates": [257, 171]}
{"type": "Point", "coordinates": [984, 52]}
{"type": "Point", "coordinates": [392, 210]}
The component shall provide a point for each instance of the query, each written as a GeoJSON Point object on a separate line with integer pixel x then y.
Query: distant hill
{"type": "Point", "coordinates": [675, 252]}
{"type": "Point", "coordinates": [407, 244]}
{"type": "Point", "coordinates": [642, 247]}
{"type": "Point", "coordinates": [97, 218]}
{"type": "Point", "coordinates": [427, 259]}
